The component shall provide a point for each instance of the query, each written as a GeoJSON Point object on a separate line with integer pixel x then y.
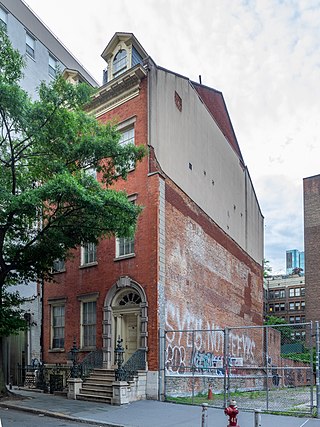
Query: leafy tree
{"type": "Point", "coordinates": [297, 270]}
{"type": "Point", "coordinates": [266, 268]}
{"type": "Point", "coordinates": [281, 326]}
{"type": "Point", "coordinates": [49, 204]}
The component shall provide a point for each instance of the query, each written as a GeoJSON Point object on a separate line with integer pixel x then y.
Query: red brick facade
{"type": "Point", "coordinates": [77, 281]}
{"type": "Point", "coordinates": [210, 281]}
{"type": "Point", "coordinates": [311, 192]}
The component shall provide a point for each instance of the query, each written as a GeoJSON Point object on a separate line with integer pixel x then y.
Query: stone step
{"type": "Point", "coordinates": [94, 398]}
{"type": "Point", "coordinates": [93, 384]}
{"type": "Point", "coordinates": [102, 376]}
{"type": "Point", "coordinates": [96, 389]}
{"type": "Point", "coordinates": [93, 390]}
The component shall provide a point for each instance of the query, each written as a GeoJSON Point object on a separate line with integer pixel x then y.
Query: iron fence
{"type": "Point", "coordinates": [272, 368]}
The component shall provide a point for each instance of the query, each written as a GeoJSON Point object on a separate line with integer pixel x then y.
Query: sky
{"type": "Point", "coordinates": [263, 55]}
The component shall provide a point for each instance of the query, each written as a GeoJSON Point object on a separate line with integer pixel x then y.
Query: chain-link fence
{"type": "Point", "coordinates": [269, 367]}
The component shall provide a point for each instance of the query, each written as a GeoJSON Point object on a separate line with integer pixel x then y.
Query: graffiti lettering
{"type": "Point", "coordinates": [192, 344]}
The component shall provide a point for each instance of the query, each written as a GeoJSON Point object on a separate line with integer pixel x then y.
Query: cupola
{"type": "Point", "coordinates": [122, 53]}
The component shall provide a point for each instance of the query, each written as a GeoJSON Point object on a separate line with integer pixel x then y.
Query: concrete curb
{"type": "Point", "coordinates": [52, 414]}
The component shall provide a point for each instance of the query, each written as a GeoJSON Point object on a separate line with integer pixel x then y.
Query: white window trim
{"type": "Point", "coordinates": [4, 17]}
{"type": "Point", "coordinates": [59, 262]}
{"type": "Point", "coordinates": [28, 45]}
{"type": "Point", "coordinates": [125, 60]}
{"type": "Point", "coordinates": [51, 68]}
{"type": "Point", "coordinates": [82, 326]}
{"type": "Point", "coordinates": [126, 255]}
{"type": "Point", "coordinates": [57, 303]}
{"type": "Point", "coordinates": [125, 127]}
{"type": "Point", "coordinates": [131, 198]}
{"type": "Point", "coordinates": [83, 263]}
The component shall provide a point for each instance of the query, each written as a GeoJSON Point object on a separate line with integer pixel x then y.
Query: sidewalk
{"type": "Point", "coordinates": [146, 413]}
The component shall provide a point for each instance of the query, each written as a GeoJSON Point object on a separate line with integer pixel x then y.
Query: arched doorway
{"type": "Point", "coordinates": [125, 316]}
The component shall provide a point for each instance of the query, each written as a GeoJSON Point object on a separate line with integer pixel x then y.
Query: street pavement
{"type": "Point", "coordinates": [144, 413]}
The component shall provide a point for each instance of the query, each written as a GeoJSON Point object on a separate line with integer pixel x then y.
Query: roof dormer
{"type": "Point", "coordinates": [122, 53]}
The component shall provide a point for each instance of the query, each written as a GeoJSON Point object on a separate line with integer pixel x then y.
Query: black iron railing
{"type": "Point", "coordinates": [128, 370]}
{"type": "Point", "coordinates": [93, 360]}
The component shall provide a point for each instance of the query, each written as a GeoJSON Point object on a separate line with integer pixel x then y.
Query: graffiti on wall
{"type": "Point", "coordinates": [198, 345]}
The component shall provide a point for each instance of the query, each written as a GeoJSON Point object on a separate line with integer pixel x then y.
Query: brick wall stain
{"type": "Point", "coordinates": [210, 282]}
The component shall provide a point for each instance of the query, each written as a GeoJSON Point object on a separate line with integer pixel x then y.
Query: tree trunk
{"type": "Point", "coordinates": [3, 388]}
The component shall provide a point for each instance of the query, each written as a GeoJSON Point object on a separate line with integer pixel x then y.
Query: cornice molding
{"type": "Point", "coordinates": [117, 91]}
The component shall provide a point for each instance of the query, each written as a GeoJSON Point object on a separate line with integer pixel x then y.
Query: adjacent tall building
{"type": "Point", "coordinates": [311, 193]}
{"type": "Point", "coordinates": [196, 260]}
{"type": "Point", "coordinates": [44, 55]}
{"type": "Point", "coordinates": [294, 261]}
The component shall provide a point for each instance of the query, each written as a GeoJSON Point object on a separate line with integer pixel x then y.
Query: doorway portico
{"type": "Point", "coordinates": [125, 316]}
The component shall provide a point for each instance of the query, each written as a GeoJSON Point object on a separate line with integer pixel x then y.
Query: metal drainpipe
{"type": "Point", "coordinates": [42, 316]}
{"type": "Point", "coordinates": [317, 370]}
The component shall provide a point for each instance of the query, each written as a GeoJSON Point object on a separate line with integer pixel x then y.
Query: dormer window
{"type": "Point", "coordinates": [119, 62]}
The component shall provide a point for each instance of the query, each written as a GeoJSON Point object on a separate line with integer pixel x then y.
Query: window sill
{"type": "Point", "coordinates": [86, 349]}
{"type": "Point", "coordinates": [120, 258]}
{"type": "Point", "coordinates": [90, 264]}
{"type": "Point", "coordinates": [30, 56]}
{"type": "Point", "coordinates": [57, 350]}
{"type": "Point", "coordinates": [59, 271]}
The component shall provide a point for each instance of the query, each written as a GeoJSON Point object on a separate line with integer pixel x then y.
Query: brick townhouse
{"type": "Point", "coordinates": [196, 259]}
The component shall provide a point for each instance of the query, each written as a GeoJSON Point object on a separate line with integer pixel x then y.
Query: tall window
{"type": "Point", "coordinates": [30, 45]}
{"type": "Point", "coordinates": [89, 324]}
{"type": "Point", "coordinates": [124, 246]}
{"type": "Point", "coordinates": [127, 137]}
{"type": "Point", "coordinates": [119, 62]}
{"type": "Point", "coordinates": [57, 325]}
{"type": "Point", "coordinates": [52, 66]}
{"type": "Point", "coordinates": [88, 253]}
{"type": "Point", "coordinates": [58, 265]}
{"type": "Point", "coordinates": [3, 18]}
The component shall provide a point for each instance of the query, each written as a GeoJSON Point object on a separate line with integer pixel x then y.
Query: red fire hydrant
{"type": "Point", "coordinates": [232, 411]}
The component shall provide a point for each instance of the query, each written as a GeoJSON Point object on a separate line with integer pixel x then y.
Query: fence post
{"type": "Point", "coordinates": [267, 366]}
{"type": "Point", "coordinates": [317, 369]}
{"type": "Point", "coordinates": [204, 417]}
{"type": "Point", "coordinates": [226, 379]}
{"type": "Point", "coordinates": [257, 418]}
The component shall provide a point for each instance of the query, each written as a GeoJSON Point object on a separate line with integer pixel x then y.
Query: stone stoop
{"type": "Point", "coordinates": [98, 386]}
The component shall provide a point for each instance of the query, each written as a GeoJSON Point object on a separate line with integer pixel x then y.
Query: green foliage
{"type": "Point", "coordinates": [285, 330]}
{"type": "Point", "coordinates": [49, 204]}
{"type": "Point", "coordinates": [11, 319]}
{"type": "Point", "coordinates": [266, 268]}
{"type": "Point", "coordinates": [306, 357]}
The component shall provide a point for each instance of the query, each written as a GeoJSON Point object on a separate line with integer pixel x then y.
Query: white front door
{"type": "Point", "coordinates": [130, 334]}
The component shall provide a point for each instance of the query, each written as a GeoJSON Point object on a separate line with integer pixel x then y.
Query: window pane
{"type": "Point", "coordinates": [58, 326]}
{"type": "Point", "coordinates": [127, 137]}
{"type": "Point", "coordinates": [125, 246]}
{"type": "Point", "coordinates": [3, 18]}
{"type": "Point", "coordinates": [52, 69]}
{"type": "Point", "coordinates": [120, 62]}
{"type": "Point", "coordinates": [89, 253]}
{"type": "Point", "coordinates": [89, 323]}
{"type": "Point", "coordinates": [30, 45]}
{"type": "Point", "coordinates": [58, 265]}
